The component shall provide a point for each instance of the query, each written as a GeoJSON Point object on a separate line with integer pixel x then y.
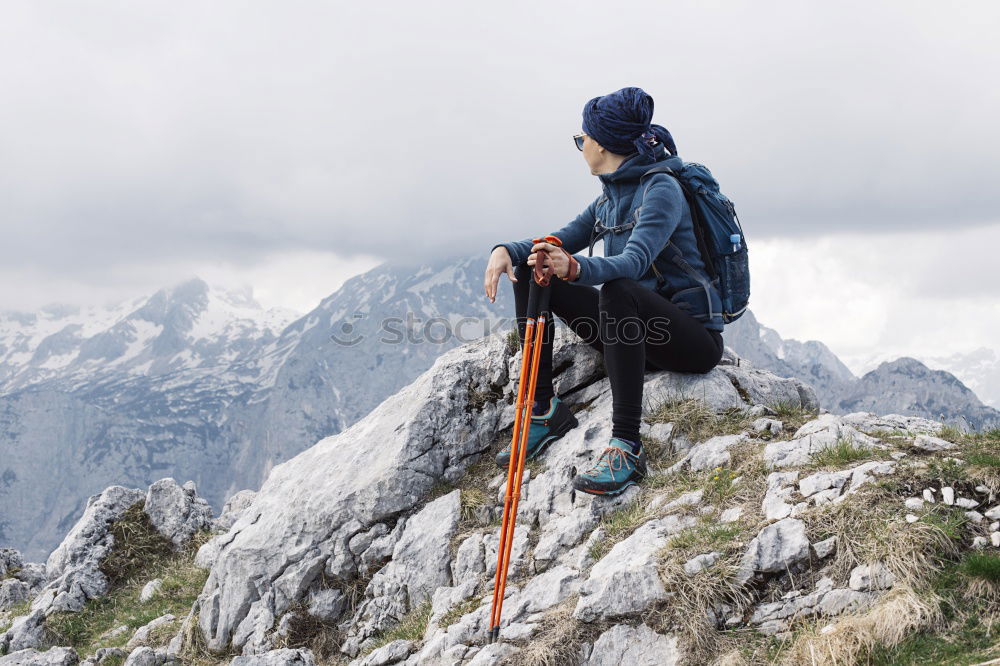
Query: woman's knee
{"type": "Point", "coordinates": [617, 295]}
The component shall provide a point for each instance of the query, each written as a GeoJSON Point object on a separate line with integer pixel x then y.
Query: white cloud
{"type": "Point", "coordinates": [922, 293]}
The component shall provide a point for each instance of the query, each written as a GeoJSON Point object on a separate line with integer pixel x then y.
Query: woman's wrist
{"type": "Point", "coordinates": [573, 273]}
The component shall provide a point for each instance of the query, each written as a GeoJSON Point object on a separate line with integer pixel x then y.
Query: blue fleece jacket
{"type": "Point", "coordinates": [628, 253]}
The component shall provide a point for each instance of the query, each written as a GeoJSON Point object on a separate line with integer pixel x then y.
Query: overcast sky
{"type": "Point", "coordinates": [291, 145]}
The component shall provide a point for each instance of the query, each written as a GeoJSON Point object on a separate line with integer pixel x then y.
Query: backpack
{"type": "Point", "coordinates": [720, 238]}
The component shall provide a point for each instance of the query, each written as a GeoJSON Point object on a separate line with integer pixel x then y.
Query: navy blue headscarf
{"type": "Point", "coordinates": [620, 121]}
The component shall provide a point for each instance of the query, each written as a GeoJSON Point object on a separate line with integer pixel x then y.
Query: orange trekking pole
{"type": "Point", "coordinates": [531, 354]}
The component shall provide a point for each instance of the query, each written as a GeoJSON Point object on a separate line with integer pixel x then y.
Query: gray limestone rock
{"type": "Point", "coordinates": [176, 511]}
{"type": "Point", "coordinates": [311, 506]}
{"type": "Point", "coordinates": [636, 646]}
{"type": "Point", "coordinates": [150, 590]}
{"type": "Point", "coordinates": [931, 443]}
{"type": "Point", "coordinates": [141, 635]}
{"type": "Point", "coordinates": [73, 569]}
{"type": "Point", "coordinates": [57, 656]}
{"type": "Point", "coordinates": [420, 564]}
{"type": "Point", "coordinates": [713, 452]}
{"type": "Point", "coordinates": [392, 653]}
{"type": "Point", "coordinates": [282, 657]}
{"type": "Point", "coordinates": [867, 577]}
{"type": "Point", "coordinates": [12, 593]}
{"type": "Point", "coordinates": [775, 548]}
{"type": "Point", "coordinates": [626, 580]}
{"type": "Point", "coordinates": [144, 656]}
{"type": "Point", "coordinates": [234, 507]}
{"type": "Point", "coordinates": [820, 433]}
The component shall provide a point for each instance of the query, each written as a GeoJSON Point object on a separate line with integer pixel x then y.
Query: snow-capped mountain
{"type": "Point", "coordinates": [204, 384]}
{"type": "Point", "coordinates": [187, 326]}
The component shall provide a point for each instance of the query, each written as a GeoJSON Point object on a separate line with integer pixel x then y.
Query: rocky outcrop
{"type": "Point", "coordinates": [325, 516]}
{"type": "Point", "coordinates": [176, 511]}
{"type": "Point", "coordinates": [378, 529]}
{"type": "Point", "coordinates": [73, 575]}
{"type": "Point", "coordinates": [57, 656]}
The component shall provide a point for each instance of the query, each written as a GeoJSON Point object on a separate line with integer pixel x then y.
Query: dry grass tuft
{"type": "Point", "coordinates": [692, 597]}
{"type": "Point", "coordinates": [896, 616]}
{"type": "Point", "coordinates": [697, 421]}
{"type": "Point", "coordinates": [559, 641]}
{"type": "Point", "coordinates": [870, 528]}
{"type": "Point", "coordinates": [307, 631]}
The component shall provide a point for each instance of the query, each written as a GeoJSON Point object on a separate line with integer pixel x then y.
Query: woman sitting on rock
{"type": "Point", "coordinates": [635, 319]}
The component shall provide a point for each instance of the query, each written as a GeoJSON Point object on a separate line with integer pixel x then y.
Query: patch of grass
{"type": "Point", "coordinates": [11, 573]}
{"type": "Point", "coordinates": [411, 627]}
{"type": "Point", "coordinates": [899, 614]}
{"type": "Point", "coordinates": [479, 397]}
{"type": "Point", "coordinates": [691, 596]}
{"type": "Point", "coordinates": [965, 632]}
{"type": "Point", "coordinates": [983, 566]}
{"type": "Point", "coordinates": [950, 433]}
{"type": "Point", "coordinates": [473, 500]}
{"type": "Point", "coordinates": [136, 543]}
{"type": "Point", "coordinates": [971, 643]}
{"type": "Point", "coordinates": [792, 415]}
{"type": "Point", "coordinates": [948, 471]}
{"type": "Point", "coordinates": [706, 536]}
{"type": "Point", "coordinates": [893, 436]}
{"type": "Point", "coordinates": [697, 421]}
{"type": "Point", "coordinates": [983, 459]}
{"type": "Point", "coordinates": [719, 485]}
{"type": "Point", "coordinates": [459, 611]}
{"type": "Point", "coordinates": [870, 527]}
{"type": "Point", "coordinates": [619, 525]}
{"type": "Point", "coordinates": [947, 520]}
{"type": "Point", "coordinates": [513, 342]}
{"type": "Point", "coordinates": [842, 452]}
{"type": "Point", "coordinates": [138, 556]}
{"type": "Point", "coordinates": [17, 610]}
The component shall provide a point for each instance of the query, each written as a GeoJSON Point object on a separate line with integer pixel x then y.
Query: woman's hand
{"type": "Point", "coordinates": [558, 258]}
{"type": "Point", "coordinates": [498, 264]}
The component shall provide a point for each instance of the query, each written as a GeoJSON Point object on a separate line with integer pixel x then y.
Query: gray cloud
{"type": "Point", "coordinates": [228, 130]}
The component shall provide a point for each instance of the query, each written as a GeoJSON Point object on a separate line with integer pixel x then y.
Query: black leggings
{"type": "Point", "coordinates": [613, 320]}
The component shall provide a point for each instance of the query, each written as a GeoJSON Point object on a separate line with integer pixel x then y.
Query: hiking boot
{"type": "Point", "coordinates": [616, 469]}
{"type": "Point", "coordinates": [544, 429]}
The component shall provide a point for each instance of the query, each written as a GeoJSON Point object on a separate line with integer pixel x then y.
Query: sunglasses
{"type": "Point", "coordinates": [578, 140]}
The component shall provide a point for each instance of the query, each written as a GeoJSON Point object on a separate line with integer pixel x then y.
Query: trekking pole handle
{"type": "Point", "coordinates": [542, 272]}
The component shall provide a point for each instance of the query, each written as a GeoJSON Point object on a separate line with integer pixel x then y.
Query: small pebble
{"type": "Point", "coordinates": [995, 538]}
{"type": "Point", "coordinates": [966, 503]}
{"type": "Point", "coordinates": [914, 503]}
{"type": "Point", "coordinates": [974, 516]}
{"type": "Point", "coordinates": [928, 495]}
{"type": "Point", "coordinates": [948, 495]}
{"type": "Point", "coordinates": [980, 542]}
{"type": "Point", "coordinates": [910, 518]}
